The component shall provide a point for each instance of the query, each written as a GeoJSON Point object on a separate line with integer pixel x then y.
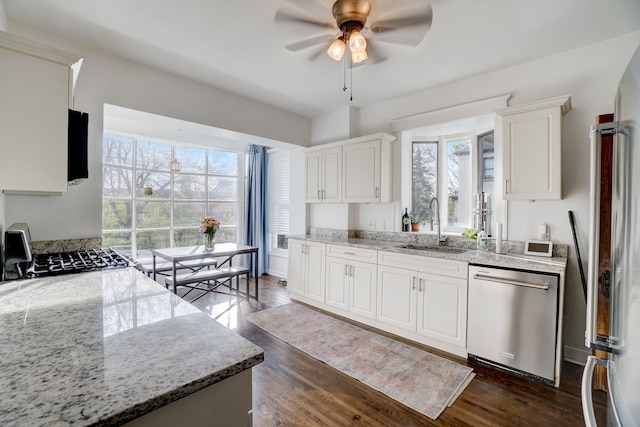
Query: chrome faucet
{"type": "Point", "coordinates": [439, 238]}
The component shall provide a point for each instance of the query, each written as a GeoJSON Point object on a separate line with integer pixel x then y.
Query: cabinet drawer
{"type": "Point", "coordinates": [351, 253]}
{"type": "Point", "coordinates": [437, 266]}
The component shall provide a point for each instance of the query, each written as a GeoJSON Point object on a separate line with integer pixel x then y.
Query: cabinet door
{"type": "Point", "coordinates": [397, 297]}
{"type": "Point", "coordinates": [34, 110]}
{"type": "Point", "coordinates": [315, 271]}
{"type": "Point", "coordinates": [362, 290]}
{"type": "Point", "coordinates": [361, 172]}
{"type": "Point", "coordinates": [337, 288]}
{"type": "Point", "coordinates": [531, 155]}
{"type": "Point", "coordinates": [313, 176]}
{"type": "Point", "coordinates": [295, 277]}
{"type": "Point", "coordinates": [332, 172]}
{"type": "Point", "coordinates": [442, 308]}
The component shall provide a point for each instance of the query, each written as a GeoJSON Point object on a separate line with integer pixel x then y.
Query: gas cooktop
{"type": "Point", "coordinates": [75, 262]}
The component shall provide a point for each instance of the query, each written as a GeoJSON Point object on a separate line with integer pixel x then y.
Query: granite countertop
{"type": "Point", "coordinates": [472, 256]}
{"type": "Point", "coordinates": [105, 347]}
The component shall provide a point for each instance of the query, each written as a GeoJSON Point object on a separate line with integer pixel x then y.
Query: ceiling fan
{"type": "Point", "coordinates": [402, 22]}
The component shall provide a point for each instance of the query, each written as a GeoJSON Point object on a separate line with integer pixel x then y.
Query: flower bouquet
{"type": "Point", "coordinates": [209, 226]}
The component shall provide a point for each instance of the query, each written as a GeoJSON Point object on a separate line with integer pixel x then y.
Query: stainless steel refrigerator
{"type": "Point", "coordinates": [623, 341]}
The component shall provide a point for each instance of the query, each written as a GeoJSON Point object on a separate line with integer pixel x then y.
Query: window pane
{"type": "Point", "coordinates": [152, 214]}
{"type": "Point", "coordinates": [486, 172]}
{"type": "Point", "coordinates": [116, 214]}
{"type": "Point", "coordinates": [283, 242]}
{"type": "Point", "coordinates": [120, 241]}
{"type": "Point", "coordinates": [159, 182]}
{"type": "Point", "coordinates": [187, 214]}
{"type": "Point", "coordinates": [116, 182]}
{"type": "Point", "coordinates": [424, 181]}
{"type": "Point", "coordinates": [191, 159]}
{"type": "Point", "coordinates": [189, 187]}
{"type": "Point", "coordinates": [147, 240]}
{"type": "Point", "coordinates": [229, 234]}
{"type": "Point", "coordinates": [188, 237]}
{"type": "Point", "coordinates": [117, 150]}
{"type": "Point", "coordinates": [226, 213]}
{"type": "Point", "coordinates": [223, 188]}
{"type": "Point", "coordinates": [223, 163]}
{"type": "Point", "coordinates": [459, 182]}
{"type": "Point", "coordinates": [153, 155]}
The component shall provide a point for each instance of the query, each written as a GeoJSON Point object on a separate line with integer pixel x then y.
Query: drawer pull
{"type": "Point", "coordinates": [349, 253]}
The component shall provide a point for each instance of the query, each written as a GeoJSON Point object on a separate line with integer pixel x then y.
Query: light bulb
{"type": "Point", "coordinates": [357, 42]}
{"type": "Point", "coordinates": [337, 48]}
{"type": "Point", "coordinates": [359, 57]}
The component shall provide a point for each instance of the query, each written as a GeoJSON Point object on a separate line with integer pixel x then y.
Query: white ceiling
{"type": "Point", "coordinates": [237, 45]}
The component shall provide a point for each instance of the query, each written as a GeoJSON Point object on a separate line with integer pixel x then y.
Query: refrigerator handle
{"type": "Point", "coordinates": [594, 240]}
{"type": "Point", "coordinates": [587, 398]}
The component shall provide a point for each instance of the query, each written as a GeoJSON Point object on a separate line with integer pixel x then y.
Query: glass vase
{"type": "Point", "coordinates": [209, 241]}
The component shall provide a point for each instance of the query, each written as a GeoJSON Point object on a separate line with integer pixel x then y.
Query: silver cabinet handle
{"type": "Point", "coordinates": [420, 282]}
{"type": "Point", "coordinates": [319, 195]}
{"type": "Point", "coordinates": [348, 253]}
{"type": "Point", "coordinates": [324, 196]}
{"type": "Point", "coordinates": [414, 283]}
{"type": "Point", "coordinates": [506, 186]}
{"type": "Point", "coordinates": [510, 282]}
{"type": "Point", "coordinates": [377, 192]}
{"type": "Point", "coordinates": [351, 270]}
{"type": "Point", "coordinates": [346, 270]}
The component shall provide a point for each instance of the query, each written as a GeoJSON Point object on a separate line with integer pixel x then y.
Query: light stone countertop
{"type": "Point", "coordinates": [472, 256]}
{"type": "Point", "coordinates": [106, 347]}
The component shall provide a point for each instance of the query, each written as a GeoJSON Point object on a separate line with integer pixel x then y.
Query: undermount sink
{"type": "Point", "coordinates": [446, 249]}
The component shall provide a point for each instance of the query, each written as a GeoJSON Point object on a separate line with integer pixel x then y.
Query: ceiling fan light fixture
{"type": "Point", "coordinates": [357, 42]}
{"type": "Point", "coordinates": [337, 48]}
{"type": "Point", "coordinates": [359, 57]}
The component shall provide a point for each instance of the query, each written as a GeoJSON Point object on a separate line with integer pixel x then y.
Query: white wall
{"type": "Point", "coordinates": [590, 75]}
{"type": "Point", "coordinates": [108, 79]}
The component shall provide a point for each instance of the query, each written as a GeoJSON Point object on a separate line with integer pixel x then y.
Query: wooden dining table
{"type": "Point", "coordinates": [224, 251]}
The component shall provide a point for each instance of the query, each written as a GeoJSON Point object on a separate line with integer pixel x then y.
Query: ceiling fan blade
{"type": "Point", "coordinates": [408, 30]}
{"type": "Point", "coordinates": [284, 16]}
{"type": "Point", "coordinates": [374, 54]}
{"type": "Point", "coordinates": [313, 7]}
{"type": "Point", "coordinates": [306, 43]}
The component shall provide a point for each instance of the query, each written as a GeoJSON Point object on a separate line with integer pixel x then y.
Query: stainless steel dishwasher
{"type": "Point", "coordinates": [513, 319]}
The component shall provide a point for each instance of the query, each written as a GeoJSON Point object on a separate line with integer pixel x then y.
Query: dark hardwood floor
{"type": "Point", "coordinates": [291, 388]}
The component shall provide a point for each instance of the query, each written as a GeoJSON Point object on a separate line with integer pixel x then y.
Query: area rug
{"type": "Point", "coordinates": [422, 381]}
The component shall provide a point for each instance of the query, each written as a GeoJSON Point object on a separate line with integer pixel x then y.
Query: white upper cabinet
{"type": "Point", "coordinates": [352, 171]}
{"type": "Point", "coordinates": [35, 83]}
{"type": "Point", "coordinates": [531, 141]}
{"type": "Point", "coordinates": [323, 175]}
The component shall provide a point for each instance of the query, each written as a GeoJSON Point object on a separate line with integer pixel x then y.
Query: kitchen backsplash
{"type": "Point", "coordinates": [508, 246]}
{"type": "Point", "coordinates": [50, 246]}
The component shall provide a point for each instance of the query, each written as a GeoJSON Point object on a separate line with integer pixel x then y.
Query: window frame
{"type": "Point", "coordinates": [407, 140]}
{"type": "Point", "coordinates": [134, 197]}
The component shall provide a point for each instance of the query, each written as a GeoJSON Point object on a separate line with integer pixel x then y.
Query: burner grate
{"type": "Point", "coordinates": [75, 262]}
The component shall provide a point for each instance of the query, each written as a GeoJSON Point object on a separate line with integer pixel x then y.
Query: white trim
{"type": "Point", "coordinates": [471, 109]}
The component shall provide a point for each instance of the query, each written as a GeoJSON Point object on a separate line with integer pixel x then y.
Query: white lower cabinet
{"type": "Point", "coordinates": [306, 269]}
{"type": "Point", "coordinates": [351, 286]}
{"type": "Point", "coordinates": [426, 297]}
{"type": "Point", "coordinates": [420, 298]}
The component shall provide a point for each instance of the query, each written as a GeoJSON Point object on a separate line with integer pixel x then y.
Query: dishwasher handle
{"type": "Point", "coordinates": [510, 282]}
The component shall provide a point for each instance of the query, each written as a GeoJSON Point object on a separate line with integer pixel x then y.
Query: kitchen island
{"type": "Point", "coordinates": [113, 347]}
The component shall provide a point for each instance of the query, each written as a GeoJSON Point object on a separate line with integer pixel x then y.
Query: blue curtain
{"type": "Point", "coordinates": [256, 204]}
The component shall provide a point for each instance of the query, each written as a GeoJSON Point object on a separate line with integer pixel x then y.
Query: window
{"type": "Point", "coordinates": [147, 205]}
{"type": "Point", "coordinates": [279, 179]}
{"type": "Point", "coordinates": [443, 167]}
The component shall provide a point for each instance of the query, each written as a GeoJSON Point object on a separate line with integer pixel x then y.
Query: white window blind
{"type": "Point", "coordinates": [279, 178]}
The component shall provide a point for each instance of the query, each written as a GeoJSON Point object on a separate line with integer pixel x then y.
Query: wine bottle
{"type": "Point", "coordinates": [406, 223]}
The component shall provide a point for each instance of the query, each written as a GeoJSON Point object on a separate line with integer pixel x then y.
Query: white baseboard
{"type": "Point", "coordinates": [278, 274]}
{"type": "Point", "coordinates": [577, 355]}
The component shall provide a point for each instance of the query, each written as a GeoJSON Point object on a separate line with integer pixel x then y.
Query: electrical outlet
{"type": "Point", "coordinates": [372, 225]}
{"type": "Point", "coordinates": [380, 225]}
